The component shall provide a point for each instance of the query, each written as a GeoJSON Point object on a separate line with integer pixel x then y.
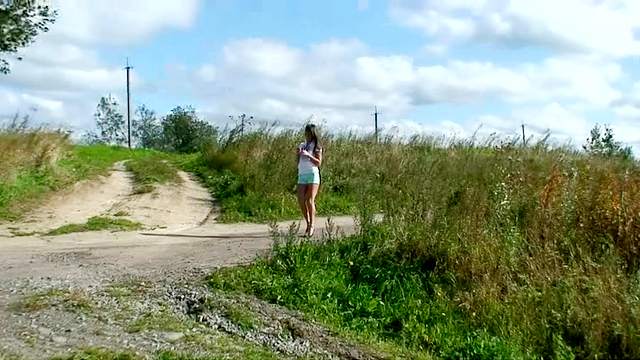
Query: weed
{"type": "Point", "coordinates": [69, 300]}
{"type": "Point", "coordinates": [163, 320]}
{"type": "Point", "coordinates": [98, 354]}
{"type": "Point", "coordinates": [97, 223]}
{"type": "Point", "coordinates": [151, 170]}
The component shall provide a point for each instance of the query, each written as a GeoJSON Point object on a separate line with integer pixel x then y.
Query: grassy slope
{"type": "Point", "coordinates": [485, 252]}
{"type": "Point", "coordinates": [254, 179]}
{"type": "Point", "coordinates": [28, 183]}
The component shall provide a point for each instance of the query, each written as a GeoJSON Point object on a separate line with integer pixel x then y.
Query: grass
{"type": "Point", "coordinates": [163, 320]}
{"type": "Point", "coordinates": [97, 223]}
{"type": "Point", "coordinates": [248, 353]}
{"type": "Point", "coordinates": [38, 162]}
{"type": "Point", "coordinates": [126, 289]}
{"type": "Point", "coordinates": [485, 251]}
{"type": "Point", "coordinates": [254, 179]}
{"type": "Point", "coordinates": [98, 354]}
{"type": "Point", "coordinates": [69, 300]}
{"type": "Point", "coordinates": [221, 348]}
{"type": "Point", "coordinates": [246, 320]}
{"type": "Point", "coordinates": [152, 170]}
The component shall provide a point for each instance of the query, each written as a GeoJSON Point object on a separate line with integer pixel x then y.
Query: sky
{"type": "Point", "coordinates": [453, 68]}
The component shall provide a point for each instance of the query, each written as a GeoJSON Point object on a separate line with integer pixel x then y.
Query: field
{"type": "Point", "coordinates": [483, 251]}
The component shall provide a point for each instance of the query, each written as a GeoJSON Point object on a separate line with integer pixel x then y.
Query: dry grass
{"type": "Point", "coordinates": [33, 149]}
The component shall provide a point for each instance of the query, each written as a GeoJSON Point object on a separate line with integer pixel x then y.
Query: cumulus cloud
{"type": "Point", "coordinates": [341, 81]}
{"type": "Point", "coordinates": [62, 76]}
{"type": "Point", "coordinates": [589, 26]}
{"type": "Point", "coordinates": [119, 21]}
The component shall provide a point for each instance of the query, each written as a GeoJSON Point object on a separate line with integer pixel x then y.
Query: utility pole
{"type": "Point", "coordinates": [128, 68]}
{"type": "Point", "coordinates": [375, 120]}
{"type": "Point", "coordinates": [524, 139]}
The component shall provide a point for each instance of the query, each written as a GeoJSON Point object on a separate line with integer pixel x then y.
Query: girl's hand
{"type": "Point", "coordinates": [305, 153]}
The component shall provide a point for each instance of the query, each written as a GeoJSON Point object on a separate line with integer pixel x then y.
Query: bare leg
{"type": "Point", "coordinates": [302, 189]}
{"type": "Point", "coordinates": [311, 193]}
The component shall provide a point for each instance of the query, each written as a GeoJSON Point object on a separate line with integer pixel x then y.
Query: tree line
{"type": "Point", "coordinates": [179, 131]}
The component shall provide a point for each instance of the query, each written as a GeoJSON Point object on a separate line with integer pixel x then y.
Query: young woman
{"type": "Point", "coordinates": [309, 160]}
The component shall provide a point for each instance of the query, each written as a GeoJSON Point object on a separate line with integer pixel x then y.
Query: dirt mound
{"type": "Point", "coordinates": [171, 206]}
{"type": "Point", "coordinates": [76, 204]}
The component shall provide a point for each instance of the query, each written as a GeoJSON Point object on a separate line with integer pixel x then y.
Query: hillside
{"type": "Point", "coordinates": [482, 251]}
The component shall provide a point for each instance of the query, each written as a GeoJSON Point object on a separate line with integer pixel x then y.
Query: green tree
{"type": "Point", "coordinates": [112, 128]}
{"type": "Point", "coordinates": [603, 144]}
{"type": "Point", "coordinates": [20, 22]}
{"type": "Point", "coordinates": [183, 132]}
{"type": "Point", "coordinates": [146, 128]}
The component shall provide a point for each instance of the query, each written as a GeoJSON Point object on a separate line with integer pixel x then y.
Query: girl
{"type": "Point", "coordinates": [309, 160]}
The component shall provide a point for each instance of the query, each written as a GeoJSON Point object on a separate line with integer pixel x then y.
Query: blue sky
{"type": "Point", "coordinates": [431, 67]}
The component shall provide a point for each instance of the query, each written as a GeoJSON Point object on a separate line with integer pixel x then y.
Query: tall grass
{"type": "Point", "coordinates": [254, 178]}
{"type": "Point", "coordinates": [485, 250]}
{"type": "Point", "coordinates": [28, 156]}
{"type": "Point", "coordinates": [34, 162]}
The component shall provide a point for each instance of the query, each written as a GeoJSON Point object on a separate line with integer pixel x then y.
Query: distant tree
{"type": "Point", "coordinates": [112, 128]}
{"type": "Point", "coordinates": [183, 132]}
{"type": "Point", "coordinates": [146, 128]}
{"type": "Point", "coordinates": [20, 22]}
{"type": "Point", "coordinates": [604, 144]}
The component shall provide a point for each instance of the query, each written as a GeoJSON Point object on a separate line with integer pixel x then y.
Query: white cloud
{"type": "Point", "coordinates": [592, 26]}
{"type": "Point", "coordinates": [119, 21]}
{"type": "Point", "coordinates": [62, 76]}
{"type": "Point", "coordinates": [341, 81]}
{"type": "Point", "coordinates": [342, 75]}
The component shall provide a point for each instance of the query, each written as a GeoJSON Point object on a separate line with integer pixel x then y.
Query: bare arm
{"type": "Point", "coordinates": [317, 159]}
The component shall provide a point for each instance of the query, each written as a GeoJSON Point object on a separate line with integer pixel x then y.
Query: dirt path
{"type": "Point", "coordinates": [180, 231]}
{"type": "Point", "coordinates": [182, 243]}
{"type": "Point", "coordinates": [81, 255]}
{"type": "Point", "coordinates": [171, 206]}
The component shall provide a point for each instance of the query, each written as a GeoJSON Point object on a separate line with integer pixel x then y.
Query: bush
{"type": "Point", "coordinates": [183, 132]}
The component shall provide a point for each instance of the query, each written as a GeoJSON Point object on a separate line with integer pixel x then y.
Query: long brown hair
{"type": "Point", "coordinates": [311, 129]}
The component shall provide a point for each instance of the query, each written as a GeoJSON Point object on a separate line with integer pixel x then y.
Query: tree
{"type": "Point", "coordinates": [110, 122]}
{"type": "Point", "coordinates": [146, 128]}
{"type": "Point", "coordinates": [20, 22]}
{"type": "Point", "coordinates": [183, 132]}
{"type": "Point", "coordinates": [604, 144]}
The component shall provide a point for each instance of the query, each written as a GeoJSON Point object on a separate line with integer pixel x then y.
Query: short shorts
{"type": "Point", "coordinates": [309, 178]}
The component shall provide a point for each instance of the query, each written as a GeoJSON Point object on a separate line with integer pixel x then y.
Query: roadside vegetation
{"type": "Point", "coordinates": [97, 223]}
{"type": "Point", "coordinates": [485, 251]}
{"type": "Point", "coordinates": [152, 170]}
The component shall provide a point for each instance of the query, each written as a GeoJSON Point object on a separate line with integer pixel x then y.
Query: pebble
{"type": "Point", "coordinates": [44, 331]}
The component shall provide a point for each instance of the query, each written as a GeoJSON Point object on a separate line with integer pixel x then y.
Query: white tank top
{"type": "Point", "coordinates": [305, 166]}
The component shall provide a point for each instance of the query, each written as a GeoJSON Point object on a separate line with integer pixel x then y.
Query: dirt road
{"type": "Point", "coordinates": [182, 242]}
